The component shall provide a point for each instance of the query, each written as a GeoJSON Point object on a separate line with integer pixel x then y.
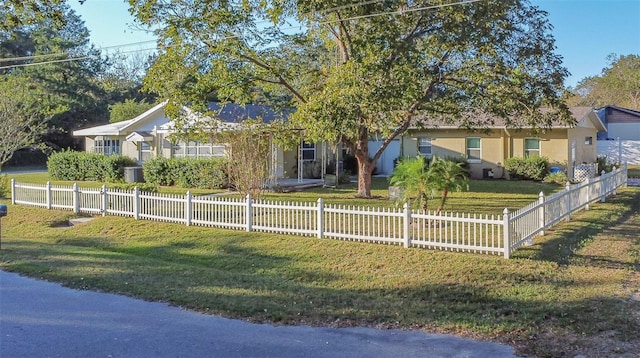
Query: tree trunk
{"type": "Point", "coordinates": [445, 192]}
{"type": "Point", "coordinates": [365, 169]}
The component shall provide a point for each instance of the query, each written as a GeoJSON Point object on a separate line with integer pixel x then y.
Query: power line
{"type": "Point", "coordinates": [71, 59]}
{"type": "Point", "coordinates": [396, 12]}
{"type": "Point", "coordinates": [26, 58]}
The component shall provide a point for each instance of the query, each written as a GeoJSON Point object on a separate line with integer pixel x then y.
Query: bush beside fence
{"type": "Point", "coordinates": [70, 165]}
{"type": "Point", "coordinates": [498, 234]}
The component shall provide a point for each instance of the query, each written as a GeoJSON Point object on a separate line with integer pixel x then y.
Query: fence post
{"type": "Point", "coordinates": [567, 188]}
{"type": "Point", "coordinates": [614, 182]}
{"type": "Point", "coordinates": [76, 198]}
{"type": "Point", "coordinates": [407, 224]}
{"type": "Point", "coordinates": [542, 220]}
{"type": "Point", "coordinates": [48, 194]}
{"type": "Point", "coordinates": [586, 207]}
{"type": "Point", "coordinates": [506, 227]}
{"type": "Point", "coordinates": [13, 191]}
{"type": "Point", "coordinates": [625, 176]}
{"type": "Point", "coordinates": [603, 187]}
{"type": "Point", "coordinates": [320, 218]}
{"type": "Point", "coordinates": [249, 213]}
{"type": "Point", "coordinates": [187, 209]}
{"type": "Point", "coordinates": [136, 203]}
{"type": "Point", "coordinates": [105, 199]}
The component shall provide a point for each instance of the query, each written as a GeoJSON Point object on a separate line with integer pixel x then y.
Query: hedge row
{"type": "Point", "coordinates": [531, 168]}
{"type": "Point", "coordinates": [69, 165]}
{"type": "Point", "coordinates": [187, 173]}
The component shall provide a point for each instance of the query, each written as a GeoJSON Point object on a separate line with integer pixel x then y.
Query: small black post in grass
{"type": "Point", "coordinates": [3, 212]}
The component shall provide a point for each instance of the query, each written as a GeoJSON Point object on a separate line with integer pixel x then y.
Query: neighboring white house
{"type": "Point", "coordinates": [621, 142]}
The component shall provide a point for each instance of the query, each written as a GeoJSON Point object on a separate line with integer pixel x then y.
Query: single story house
{"type": "Point", "coordinates": [486, 151]}
{"type": "Point", "coordinates": [149, 135]}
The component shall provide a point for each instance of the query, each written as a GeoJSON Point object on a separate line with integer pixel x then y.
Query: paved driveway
{"type": "Point", "coordinates": [43, 319]}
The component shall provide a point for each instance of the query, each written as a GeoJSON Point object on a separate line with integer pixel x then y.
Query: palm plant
{"type": "Point", "coordinates": [412, 175]}
{"type": "Point", "coordinates": [445, 176]}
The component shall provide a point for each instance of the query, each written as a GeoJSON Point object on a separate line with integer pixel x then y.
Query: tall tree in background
{"type": "Point", "coordinates": [16, 13]}
{"type": "Point", "coordinates": [353, 69]}
{"type": "Point", "coordinates": [128, 109]}
{"type": "Point", "coordinates": [122, 78]}
{"type": "Point", "coordinates": [58, 56]}
{"type": "Point", "coordinates": [618, 84]}
{"type": "Point", "coordinates": [24, 111]}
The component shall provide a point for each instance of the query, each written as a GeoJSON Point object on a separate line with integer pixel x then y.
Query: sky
{"type": "Point", "coordinates": [586, 31]}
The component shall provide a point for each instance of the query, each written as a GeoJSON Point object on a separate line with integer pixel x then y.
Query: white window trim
{"type": "Point", "coordinates": [198, 150]}
{"type": "Point", "coordinates": [142, 151]}
{"type": "Point", "coordinates": [466, 144]}
{"type": "Point", "coordinates": [311, 147]}
{"type": "Point", "coordinates": [430, 146]}
{"type": "Point", "coordinates": [113, 148]}
{"type": "Point", "coordinates": [526, 151]}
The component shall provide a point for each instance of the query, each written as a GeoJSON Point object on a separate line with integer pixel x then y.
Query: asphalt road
{"type": "Point", "coordinates": [43, 319]}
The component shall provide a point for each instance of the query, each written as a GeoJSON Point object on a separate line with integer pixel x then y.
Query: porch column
{"type": "Point", "coordinates": [300, 166]}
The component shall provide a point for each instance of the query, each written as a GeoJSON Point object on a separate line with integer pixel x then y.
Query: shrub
{"type": "Point", "coordinates": [70, 165]}
{"type": "Point", "coordinates": [557, 177]}
{"type": "Point", "coordinates": [158, 171]}
{"type": "Point", "coordinates": [4, 186]}
{"type": "Point", "coordinates": [530, 168]}
{"type": "Point", "coordinates": [604, 164]}
{"type": "Point", "coordinates": [187, 173]}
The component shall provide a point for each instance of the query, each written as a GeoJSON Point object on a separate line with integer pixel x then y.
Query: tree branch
{"type": "Point", "coordinates": [345, 31]}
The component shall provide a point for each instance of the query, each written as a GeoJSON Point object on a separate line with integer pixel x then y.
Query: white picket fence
{"type": "Point", "coordinates": [492, 234]}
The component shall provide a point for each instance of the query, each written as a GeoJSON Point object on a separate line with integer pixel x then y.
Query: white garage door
{"type": "Point", "coordinates": [385, 163]}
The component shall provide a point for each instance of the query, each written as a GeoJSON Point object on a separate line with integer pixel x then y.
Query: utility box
{"type": "Point", "coordinates": [133, 175]}
{"type": "Point", "coordinates": [3, 210]}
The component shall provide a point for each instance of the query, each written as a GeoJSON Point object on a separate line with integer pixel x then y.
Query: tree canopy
{"type": "Point", "coordinates": [24, 111]}
{"type": "Point", "coordinates": [15, 13]}
{"type": "Point", "coordinates": [353, 69]}
{"type": "Point", "coordinates": [56, 53]}
{"type": "Point", "coordinates": [618, 84]}
{"type": "Point", "coordinates": [128, 109]}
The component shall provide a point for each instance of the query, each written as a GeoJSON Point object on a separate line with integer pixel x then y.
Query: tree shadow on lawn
{"type": "Point", "coordinates": [254, 287]}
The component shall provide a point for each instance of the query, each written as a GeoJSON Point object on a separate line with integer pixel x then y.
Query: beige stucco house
{"type": "Point", "coordinates": [486, 151]}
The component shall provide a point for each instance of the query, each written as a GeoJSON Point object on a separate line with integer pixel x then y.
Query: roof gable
{"type": "Point", "coordinates": [632, 112]}
{"type": "Point", "coordinates": [128, 126]}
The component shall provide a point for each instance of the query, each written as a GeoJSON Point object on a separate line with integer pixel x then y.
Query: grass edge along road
{"type": "Point", "coordinates": [569, 294]}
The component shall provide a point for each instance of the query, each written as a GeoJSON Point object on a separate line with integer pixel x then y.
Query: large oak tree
{"type": "Point", "coordinates": [355, 68]}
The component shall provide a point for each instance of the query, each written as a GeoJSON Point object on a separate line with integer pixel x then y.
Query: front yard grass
{"type": "Point", "coordinates": [576, 291]}
{"type": "Point", "coordinates": [488, 197]}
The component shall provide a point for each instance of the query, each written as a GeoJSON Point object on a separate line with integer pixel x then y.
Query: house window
{"type": "Point", "coordinates": [107, 146]}
{"type": "Point", "coordinates": [473, 150]}
{"type": "Point", "coordinates": [145, 151]}
{"type": "Point", "coordinates": [308, 151]}
{"type": "Point", "coordinates": [194, 149]}
{"type": "Point", "coordinates": [424, 147]}
{"type": "Point", "coordinates": [588, 140]}
{"type": "Point", "coordinates": [531, 147]}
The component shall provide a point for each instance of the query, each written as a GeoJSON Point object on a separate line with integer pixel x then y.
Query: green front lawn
{"type": "Point", "coordinates": [488, 197]}
{"type": "Point", "coordinates": [556, 298]}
